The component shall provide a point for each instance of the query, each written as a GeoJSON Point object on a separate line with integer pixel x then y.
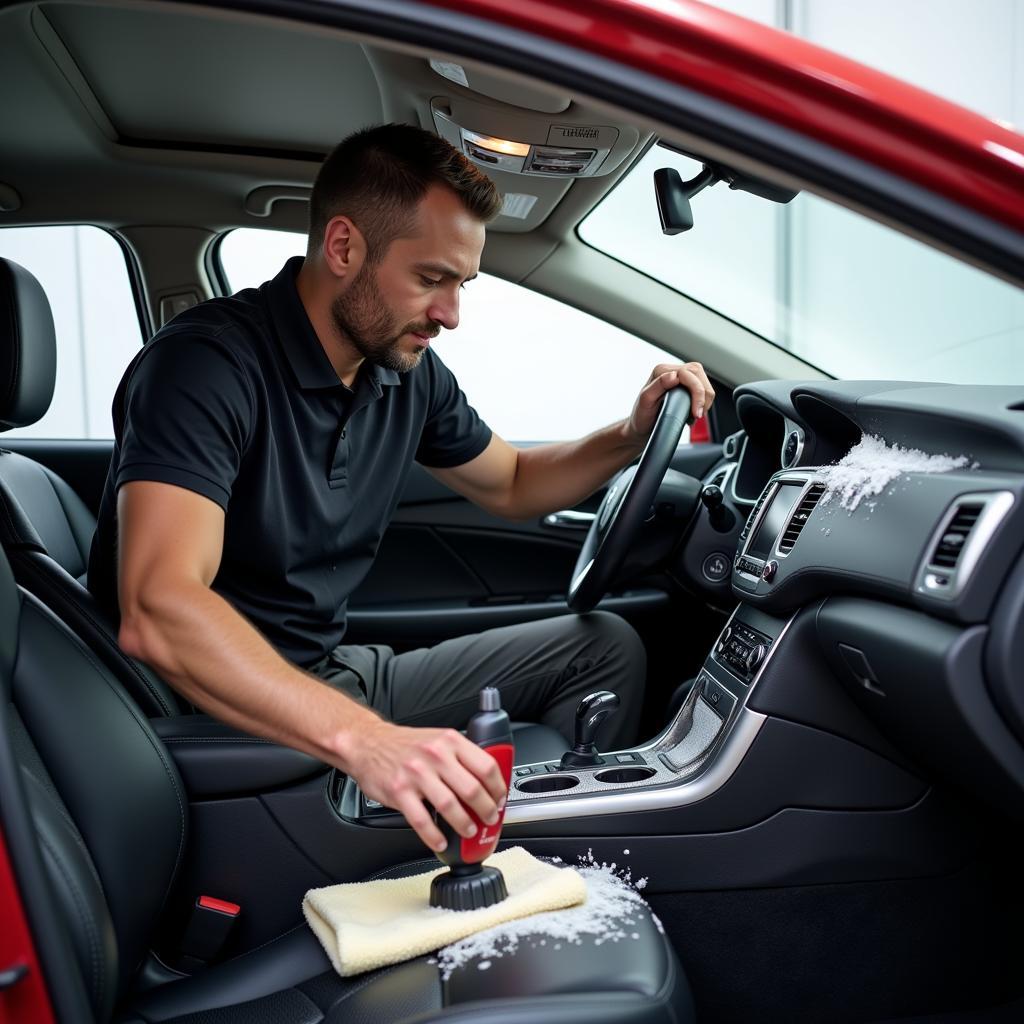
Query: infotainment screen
{"type": "Point", "coordinates": [774, 519]}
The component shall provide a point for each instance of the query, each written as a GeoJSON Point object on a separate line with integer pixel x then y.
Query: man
{"type": "Point", "coordinates": [262, 442]}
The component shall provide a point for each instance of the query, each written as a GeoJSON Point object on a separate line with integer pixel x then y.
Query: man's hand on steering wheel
{"type": "Point", "coordinates": [664, 377]}
{"type": "Point", "coordinates": [656, 424]}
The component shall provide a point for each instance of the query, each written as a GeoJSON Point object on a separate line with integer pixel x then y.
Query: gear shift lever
{"type": "Point", "coordinates": [592, 711]}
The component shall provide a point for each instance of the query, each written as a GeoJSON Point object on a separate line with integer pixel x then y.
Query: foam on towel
{"type": "Point", "coordinates": [364, 925]}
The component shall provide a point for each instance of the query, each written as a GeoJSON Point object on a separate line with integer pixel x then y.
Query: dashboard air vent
{"type": "Point", "coordinates": [800, 517]}
{"type": "Point", "coordinates": [951, 543]}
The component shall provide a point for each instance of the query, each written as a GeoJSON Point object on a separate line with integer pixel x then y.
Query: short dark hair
{"type": "Point", "coordinates": [378, 176]}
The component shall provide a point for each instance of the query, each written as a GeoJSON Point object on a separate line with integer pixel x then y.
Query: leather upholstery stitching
{"type": "Point", "coordinates": [76, 836]}
{"type": "Point", "coordinates": [348, 993]}
{"type": "Point", "coordinates": [82, 555]}
{"type": "Point", "coordinates": [215, 739]}
{"type": "Point", "coordinates": [66, 594]}
{"type": "Point", "coordinates": [426, 861]}
{"type": "Point", "coordinates": [269, 942]}
{"type": "Point", "coordinates": [664, 994]}
{"type": "Point", "coordinates": [83, 914]}
{"type": "Point", "coordinates": [130, 708]}
{"type": "Point", "coordinates": [16, 537]}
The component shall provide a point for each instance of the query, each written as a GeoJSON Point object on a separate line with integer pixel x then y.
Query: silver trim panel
{"type": "Point", "coordinates": [727, 751]}
{"type": "Point", "coordinates": [740, 737]}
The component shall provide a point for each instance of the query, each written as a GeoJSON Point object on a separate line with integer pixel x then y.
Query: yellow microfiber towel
{"type": "Point", "coordinates": [364, 925]}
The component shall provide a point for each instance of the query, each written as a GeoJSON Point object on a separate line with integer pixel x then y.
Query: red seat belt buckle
{"type": "Point", "coordinates": [221, 906]}
{"type": "Point", "coordinates": [208, 930]}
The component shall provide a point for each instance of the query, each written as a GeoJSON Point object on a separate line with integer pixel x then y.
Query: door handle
{"type": "Point", "coordinates": [570, 519]}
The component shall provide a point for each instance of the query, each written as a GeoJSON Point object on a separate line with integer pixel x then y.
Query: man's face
{"type": "Point", "coordinates": [392, 309]}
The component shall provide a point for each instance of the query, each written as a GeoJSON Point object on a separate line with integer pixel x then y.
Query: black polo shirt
{"type": "Point", "coordinates": [236, 400]}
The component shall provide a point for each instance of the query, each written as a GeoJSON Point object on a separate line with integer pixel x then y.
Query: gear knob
{"type": "Point", "coordinates": [591, 712]}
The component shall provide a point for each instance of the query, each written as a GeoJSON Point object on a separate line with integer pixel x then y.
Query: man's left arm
{"type": "Point", "coordinates": [523, 483]}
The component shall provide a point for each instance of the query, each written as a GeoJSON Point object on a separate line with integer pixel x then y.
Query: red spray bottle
{"type": "Point", "coordinates": [468, 885]}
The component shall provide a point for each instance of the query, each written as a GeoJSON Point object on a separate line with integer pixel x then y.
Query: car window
{"type": "Point", "coordinates": [83, 272]}
{"type": "Point", "coordinates": [846, 294]}
{"type": "Point", "coordinates": [535, 369]}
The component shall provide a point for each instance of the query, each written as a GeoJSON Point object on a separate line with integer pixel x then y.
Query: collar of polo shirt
{"type": "Point", "coordinates": [300, 343]}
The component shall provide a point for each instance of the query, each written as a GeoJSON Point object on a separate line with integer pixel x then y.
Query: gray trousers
{"type": "Point", "coordinates": [541, 668]}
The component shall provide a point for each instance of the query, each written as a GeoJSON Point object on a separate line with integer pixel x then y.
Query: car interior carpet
{"type": "Point", "coordinates": [364, 925]}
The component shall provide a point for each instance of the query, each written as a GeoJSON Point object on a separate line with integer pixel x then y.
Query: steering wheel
{"type": "Point", "coordinates": [626, 506]}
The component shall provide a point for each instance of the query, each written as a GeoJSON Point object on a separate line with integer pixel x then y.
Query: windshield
{"type": "Point", "coordinates": [842, 292]}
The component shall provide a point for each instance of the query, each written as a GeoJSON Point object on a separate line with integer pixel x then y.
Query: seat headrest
{"type": "Point", "coordinates": [28, 348]}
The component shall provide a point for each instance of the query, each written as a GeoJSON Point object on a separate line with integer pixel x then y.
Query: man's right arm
{"type": "Point", "coordinates": [170, 542]}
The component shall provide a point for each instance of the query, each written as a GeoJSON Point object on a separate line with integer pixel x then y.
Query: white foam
{"type": "Point", "coordinates": [610, 913]}
{"type": "Point", "coordinates": [870, 466]}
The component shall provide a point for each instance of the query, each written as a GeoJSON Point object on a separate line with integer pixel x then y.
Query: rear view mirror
{"type": "Point", "coordinates": [674, 195]}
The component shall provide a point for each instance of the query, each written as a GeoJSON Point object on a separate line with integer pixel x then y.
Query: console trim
{"type": "Point", "coordinates": [733, 742]}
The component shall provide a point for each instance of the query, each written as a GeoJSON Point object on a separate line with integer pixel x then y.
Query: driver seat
{"type": "Point", "coordinates": [96, 817]}
{"type": "Point", "coordinates": [46, 529]}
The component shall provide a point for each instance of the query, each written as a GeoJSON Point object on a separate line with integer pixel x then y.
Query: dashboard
{"type": "Point", "coordinates": [917, 596]}
{"type": "Point", "coordinates": [938, 541]}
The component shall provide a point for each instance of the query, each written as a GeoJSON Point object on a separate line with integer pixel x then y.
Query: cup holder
{"type": "Point", "coordinates": [620, 775]}
{"type": "Point", "coordinates": [547, 783]}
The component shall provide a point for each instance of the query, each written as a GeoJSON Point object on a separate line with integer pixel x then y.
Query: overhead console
{"type": "Point", "coordinates": [531, 157]}
{"type": "Point", "coordinates": [533, 141]}
{"type": "Point", "coordinates": [510, 136]}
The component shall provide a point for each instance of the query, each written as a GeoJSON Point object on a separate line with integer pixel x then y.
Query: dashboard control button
{"type": "Point", "coordinates": [754, 657]}
{"type": "Point", "coordinates": [769, 571]}
{"type": "Point", "coordinates": [716, 567]}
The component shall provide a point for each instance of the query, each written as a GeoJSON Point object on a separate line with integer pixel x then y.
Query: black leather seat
{"type": "Point", "coordinates": [46, 529]}
{"type": "Point", "coordinates": [109, 814]}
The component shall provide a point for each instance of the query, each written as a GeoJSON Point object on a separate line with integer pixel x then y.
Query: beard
{"type": "Point", "coordinates": [362, 317]}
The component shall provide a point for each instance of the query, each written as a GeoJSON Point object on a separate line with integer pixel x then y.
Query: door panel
{"type": "Point", "coordinates": [447, 568]}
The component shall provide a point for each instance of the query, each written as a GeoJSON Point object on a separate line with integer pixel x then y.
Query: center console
{"type": "Point", "coordinates": [692, 757]}
{"type": "Point", "coordinates": [701, 747]}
